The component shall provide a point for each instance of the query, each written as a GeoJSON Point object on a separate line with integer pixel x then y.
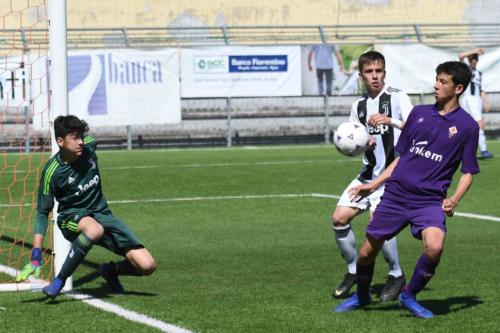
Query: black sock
{"type": "Point", "coordinates": [79, 249]}
{"type": "Point", "coordinates": [364, 275]}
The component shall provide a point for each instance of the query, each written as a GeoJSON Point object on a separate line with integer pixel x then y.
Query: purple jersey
{"type": "Point", "coordinates": [431, 148]}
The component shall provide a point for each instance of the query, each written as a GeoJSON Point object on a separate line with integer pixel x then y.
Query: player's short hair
{"type": "Point", "coordinates": [369, 57]}
{"type": "Point", "coordinates": [64, 125]}
{"type": "Point", "coordinates": [460, 72]}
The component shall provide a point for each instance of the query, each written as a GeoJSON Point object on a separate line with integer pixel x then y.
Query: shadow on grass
{"type": "Point", "coordinates": [101, 292]}
{"type": "Point", "coordinates": [438, 307]}
{"type": "Point", "coordinates": [452, 304]}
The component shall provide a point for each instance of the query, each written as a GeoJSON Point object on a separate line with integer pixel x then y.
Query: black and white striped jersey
{"type": "Point", "coordinates": [392, 103]}
{"type": "Point", "coordinates": [474, 88]}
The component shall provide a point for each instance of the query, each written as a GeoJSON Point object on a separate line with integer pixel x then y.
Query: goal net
{"type": "Point", "coordinates": [24, 149]}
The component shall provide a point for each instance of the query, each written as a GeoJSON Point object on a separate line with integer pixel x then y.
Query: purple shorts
{"type": "Point", "coordinates": [391, 217]}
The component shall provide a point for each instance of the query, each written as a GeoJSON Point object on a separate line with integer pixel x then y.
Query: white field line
{"type": "Point", "coordinates": [225, 197]}
{"type": "Point", "coordinates": [263, 196]}
{"type": "Point", "coordinates": [467, 215]}
{"type": "Point", "coordinates": [209, 165]}
{"type": "Point", "coordinates": [127, 314]}
{"type": "Point", "coordinates": [108, 307]}
{"type": "Point", "coordinates": [234, 148]}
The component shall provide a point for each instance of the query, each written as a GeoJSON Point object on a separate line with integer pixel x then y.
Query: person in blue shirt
{"type": "Point", "coordinates": [323, 61]}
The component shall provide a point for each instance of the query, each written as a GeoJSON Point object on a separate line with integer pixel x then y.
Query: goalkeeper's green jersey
{"type": "Point", "coordinates": [76, 187]}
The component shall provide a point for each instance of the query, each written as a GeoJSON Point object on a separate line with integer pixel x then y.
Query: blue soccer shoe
{"type": "Point", "coordinates": [54, 288]}
{"type": "Point", "coordinates": [352, 303]}
{"type": "Point", "coordinates": [409, 302]}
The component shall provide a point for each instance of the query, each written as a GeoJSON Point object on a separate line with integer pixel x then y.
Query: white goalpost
{"type": "Point", "coordinates": [23, 94]}
{"type": "Point", "coordinates": [58, 54]}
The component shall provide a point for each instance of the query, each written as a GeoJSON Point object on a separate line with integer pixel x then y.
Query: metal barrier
{"type": "Point", "coordinates": [481, 34]}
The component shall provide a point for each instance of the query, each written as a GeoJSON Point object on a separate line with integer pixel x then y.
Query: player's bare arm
{"type": "Point", "coordinates": [465, 54]}
{"type": "Point", "coordinates": [340, 62]}
{"type": "Point", "coordinates": [486, 101]}
{"type": "Point", "coordinates": [38, 240]}
{"type": "Point", "coordinates": [449, 204]}
{"type": "Point", "coordinates": [309, 60]}
{"type": "Point", "coordinates": [364, 190]}
{"type": "Point", "coordinates": [379, 119]}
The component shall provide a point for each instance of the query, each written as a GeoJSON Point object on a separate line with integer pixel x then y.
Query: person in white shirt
{"type": "Point", "coordinates": [474, 98]}
{"type": "Point", "coordinates": [383, 110]}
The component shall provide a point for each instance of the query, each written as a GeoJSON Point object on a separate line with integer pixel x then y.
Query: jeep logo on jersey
{"type": "Point", "coordinates": [418, 148]}
{"type": "Point", "coordinates": [84, 188]}
{"type": "Point", "coordinates": [378, 130]}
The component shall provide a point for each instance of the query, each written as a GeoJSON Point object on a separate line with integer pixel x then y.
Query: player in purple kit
{"type": "Point", "coordinates": [436, 139]}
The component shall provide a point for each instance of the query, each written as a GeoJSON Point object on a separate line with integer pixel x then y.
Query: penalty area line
{"type": "Point", "coordinates": [106, 306]}
{"type": "Point", "coordinates": [461, 214]}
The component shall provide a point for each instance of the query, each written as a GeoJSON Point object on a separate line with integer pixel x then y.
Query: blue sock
{"type": "Point", "coordinates": [424, 270]}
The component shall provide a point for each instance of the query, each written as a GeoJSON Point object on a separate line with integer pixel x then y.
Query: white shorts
{"type": "Point", "coordinates": [370, 202]}
{"type": "Point", "coordinates": [473, 106]}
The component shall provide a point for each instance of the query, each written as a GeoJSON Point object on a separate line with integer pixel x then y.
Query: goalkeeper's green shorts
{"type": "Point", "coordinates": [117, 235]}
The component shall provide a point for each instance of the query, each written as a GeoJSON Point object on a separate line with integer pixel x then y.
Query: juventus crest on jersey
{"type": "Point", "coordinates": [390, 102]}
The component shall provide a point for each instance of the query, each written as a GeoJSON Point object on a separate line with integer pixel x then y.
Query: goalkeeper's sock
{"type": "Point", "coordinates": [79, 249]}
{"type": "Point", "coordinates": [124, 267]}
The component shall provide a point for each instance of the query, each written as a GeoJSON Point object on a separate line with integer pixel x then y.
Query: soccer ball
{"type": "Point", "coordinates": [351, 138]}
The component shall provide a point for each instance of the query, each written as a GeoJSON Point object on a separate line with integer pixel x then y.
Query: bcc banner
{"type": "Point", "coordinates": [241, 71]}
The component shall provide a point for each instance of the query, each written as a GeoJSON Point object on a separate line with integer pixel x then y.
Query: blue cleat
{"type": "Point", "coordinates": [352, 303]}
{"type": "Point", "coordinates": [486, 154]}
{"type": "Point", "coordinates": [53, 289]}
{"type": "Point", "coordinates": [410, 303]}
{"type": "Point", "coordinates": [111, 278]}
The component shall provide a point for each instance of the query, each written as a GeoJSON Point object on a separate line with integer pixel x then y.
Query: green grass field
{"type": "Point", "coordinates": [243, 246]}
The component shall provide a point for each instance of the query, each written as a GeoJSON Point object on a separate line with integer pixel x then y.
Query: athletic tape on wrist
{"type": "Point", "coordinates": [396, 123]}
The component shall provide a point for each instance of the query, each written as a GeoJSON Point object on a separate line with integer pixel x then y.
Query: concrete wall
{"type": "Point", "coordinates": [161, 13]}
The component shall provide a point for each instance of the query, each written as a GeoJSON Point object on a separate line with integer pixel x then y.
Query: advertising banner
{"type": "Point", "coordinates": [231, 71]}
{"type": "Point", "coordinates": [14, 84]}
{"type": "Point", "coordinates": [412, 68]}
{"type": "Point", "coordinates": [123, 87]}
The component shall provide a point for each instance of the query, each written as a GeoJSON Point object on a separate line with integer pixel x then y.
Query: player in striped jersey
{"type": "Point", "coordinates": [383, 111]}
{"type": "Point", "coordinates": [72, 177]}
{"type": "Point", "coordinates": [474, 99]}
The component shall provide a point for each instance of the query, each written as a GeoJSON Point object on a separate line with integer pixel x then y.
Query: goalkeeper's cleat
{"type": "Point", "coordinates": [30, 269]}
{"type": "Point", "coordinates": [409, 302]}
{"type": "Point", "coordinates": [345, 286]}
{"type": "Point", "coordinates": [53, 289]}
{"type": "Point", "coordinates": [111, 278]}
{"type": "Point", "coordinates": [352, 303]}
{"type": "Point", "coordinates": [392, 288]}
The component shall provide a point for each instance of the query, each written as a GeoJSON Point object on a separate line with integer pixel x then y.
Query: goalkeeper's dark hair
{"type": "Point", "coordinates": [369, 57]}
{"type": "Point", "coordinates": [64, 125]}
{"type": "Point", "coordinates": [459, 72]}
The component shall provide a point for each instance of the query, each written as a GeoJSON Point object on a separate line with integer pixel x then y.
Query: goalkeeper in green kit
{"type": "Point", "coordinates": [72, 178]}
